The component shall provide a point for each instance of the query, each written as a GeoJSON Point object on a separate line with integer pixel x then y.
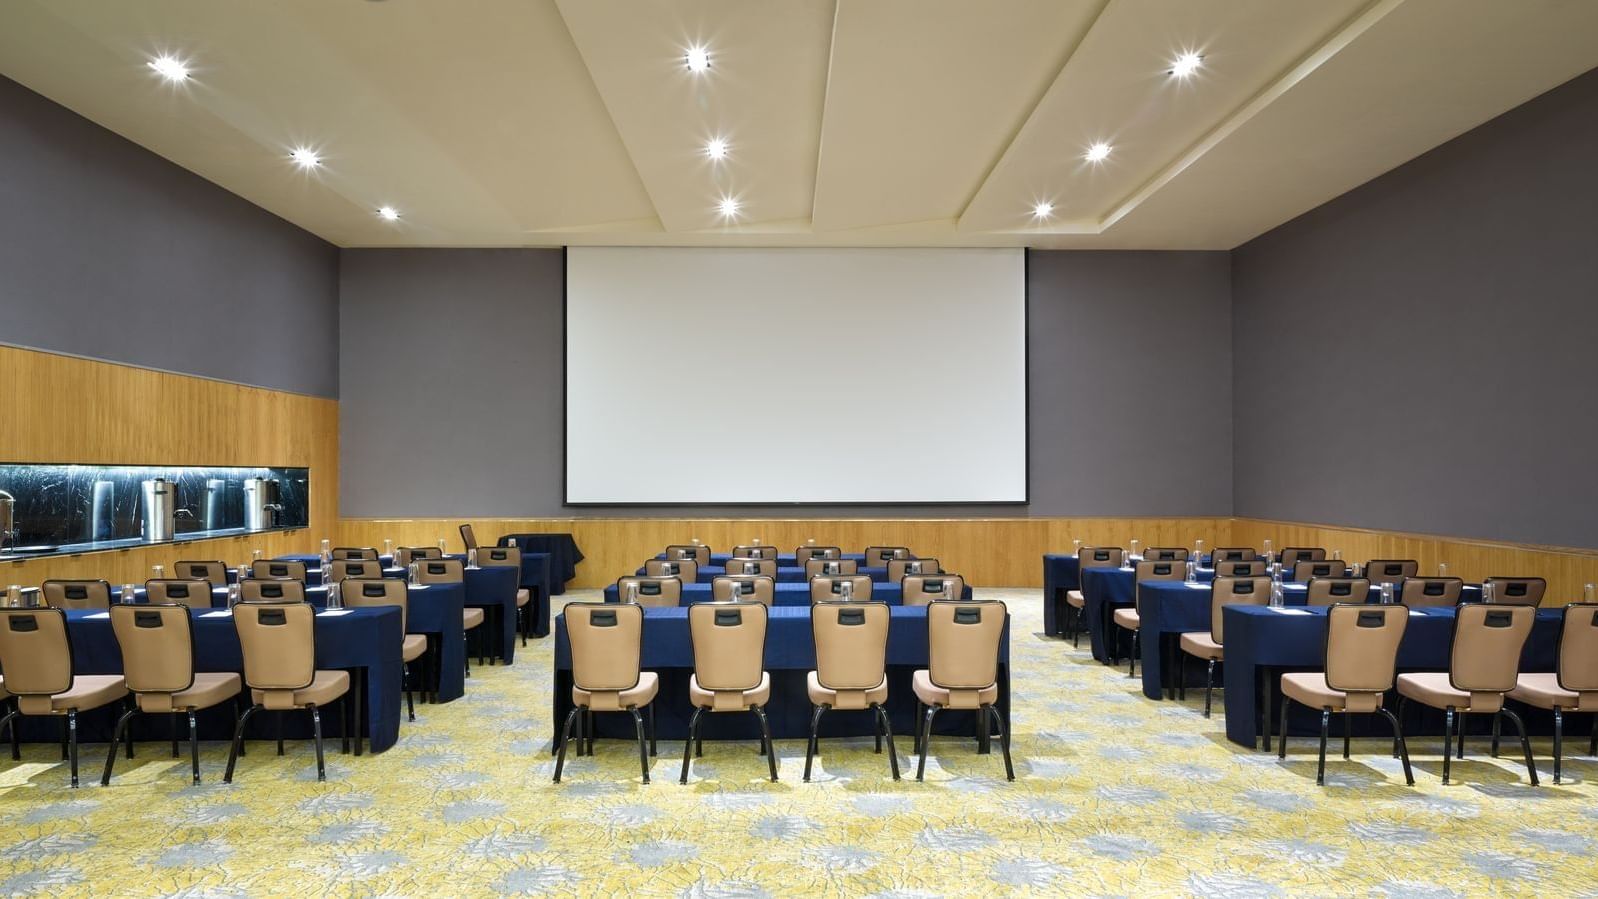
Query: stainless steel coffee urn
{"type": "Point", "coordinates": [263, 500]}
{"type": "Point", "coordinates": [160, 502]}
{"type": "Point", "coordinates": [8, 520]}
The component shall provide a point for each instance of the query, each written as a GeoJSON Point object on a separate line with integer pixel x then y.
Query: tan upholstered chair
{"type": "Point", "coordinates": [1324, 591]}
{"type": "Point", "coordinates": [686, 570]}
{"type": "Point", "coordinates": [405, 555]}
{"type": "Point", "coordinates": [898, 568]}
{"type": "Point", "coordinates": [1089, 557]}
{"type": "Point", "coordinates": [354, 554]}
{"type": "Point", "coordinates": [344, 569]}
{"type": "Point", "coordinates": [745, 588]}
{"type": "Point", "coordinates": [750, 551]}
{"type": "Point", "coordinates": [653, 592]}
{"type": "Point", "coordinates": [832, 589]}
{"type": "Point", "coordinates": [1250, 568]}
{"type": "Point", "coordinates": [1128, 618]}
{"type": "Point", "coordinates": [1483, 666]}
{"type": "Point", "coordinates": [194, 594]}
{"type": "Point", "coordinates": [804, 554]}
{"type": "Point", "coordinates": [762, 567]}
{"type": "Point", "coordinates": [278, 570]}
{"type": "Point", "coordinates": [1420, 592]}
{"type": "Point", "coordinates": [215, 572]}
{"type": "Point", "coordinates": [1293, 555]}
{"type": "Point", "coordinates": [36, 653]}
{"type": "Point", "coordinates": [257, 590]}
{"type": "Point", "coordinates": [694, 552]}
{"type": "Point", "coordinates": [468, 538]}
{"type": "Point", "coordinates": [1308, 569]}
{"type": "Point", "coordinates": [729, 670]}
{"type": "Point", "coordinates": [1361, 656]}
{"type": "Point", "coordinates": [76, 594]}
{"type": "Point", "coordinates": [963, 640]}
{"type": "Point", "coordinates": [1166, 554]}
{"type": "Point", "coordinates": [607, 651]}
{"type": "Point", "coordinates": [1234, 554]}
{"type": "Point", "coordinates": [157, 643]}
{"type": "Point", "coordinates": [510, 557]}
{"type": "Point", "coordinates": [920, 589]}
{"type": "Point", "coordinates": [880, 556]}
{"type": "Point", "coordinates": [1518, 591]}
{"type": "Point", "coordinates": [851, 668]}
{"type": "Point", "coordinates": [1224, 591]}
{"type": "Point", "coordinates": [814, 567]}
{"type": "Point", "coordinates": [453, 571]}
{"type": "Point", "coordinates": [358, 593]}
{"type": "Point", "coordinates": [1390, 571]}
{"type": "Point", "coordinates": [278, 641]}
{"type": "Point", "coordinates": [1573, 685]}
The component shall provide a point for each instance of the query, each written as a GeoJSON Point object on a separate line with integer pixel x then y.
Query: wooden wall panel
{"type": "Point", "coordinates": [64, 409]}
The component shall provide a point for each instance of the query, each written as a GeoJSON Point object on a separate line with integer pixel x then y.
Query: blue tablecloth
{"type": "Point", "coordinates": [790, 656]}
{"type": "Point", "coordinates": [1059, 576]}
{"type": "Point", "coordinates": [1104, 590]}
{"type": "Point", "coordinates": [786, 594]}
{"type": "Point", "coordinates": [561, 549]}
{"type": "Point", "coordinates": [785, 574]}
{"type": "Point", "coordinates": [1262, 643]}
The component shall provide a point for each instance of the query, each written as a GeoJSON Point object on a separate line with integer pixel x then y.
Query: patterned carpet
{"type": "Point", "coordinates": [1116, 795]}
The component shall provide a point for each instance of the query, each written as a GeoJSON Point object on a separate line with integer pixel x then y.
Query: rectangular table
{"type": "Point", "coordinates": [1060, 575]}
{"type": "Point", "coordinates": [790, 656]}
{"type": "Point", "coordinates": [561, 549]}
{"type": "Point", "coordinates": [784, 560]}
{"type": "Point", "coordinates": [785, 594]}
{"type": "Point", "coordinates": [785, 574]}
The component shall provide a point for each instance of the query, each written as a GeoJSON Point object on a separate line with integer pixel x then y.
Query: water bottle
{"type": "Point", "coordinates": [326, 557]}
{"type": "Point", "coordinates": [846, 590]}
{"type": "Point", "coordinates": [1487, 592]}
{"type": "Point", "coordinates": [632, 593]}
{"type": "Point", "coordinates": [416, 575]}
{"type": "Point", "coordinates": [234, 593]}
{"type": "Point", "coordinates": [1192, 571]}
{"type": "Point", "coordinates": [1276, 572]}
{"type": "Point", "coordinates": [335, 599]}
{"type": "Point", "coordinates": [1387, 594]}
{"type": "Point", "coordinates": [1442, 570]}
{"type": "Point", "coordinates": [1134, 545]}
{"type": "Point", "coordinates": [471, 557]}
{"type": "Point", "coordinates": [1270, 554]}
{"type": "Point", "coordinates": [327, 546]}
{"type": "Point", "coordinates": [127, 594]}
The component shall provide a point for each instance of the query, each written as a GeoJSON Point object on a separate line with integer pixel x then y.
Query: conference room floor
{"type": "Point", "coordinates": [1115, 794]}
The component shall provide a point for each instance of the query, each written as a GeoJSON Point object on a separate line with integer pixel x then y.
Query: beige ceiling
{"type": "Point", "coordinates": [848, 122]}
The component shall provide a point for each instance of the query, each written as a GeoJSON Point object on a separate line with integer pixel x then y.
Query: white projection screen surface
{"type": "Point", "coordinates": [770, 376]}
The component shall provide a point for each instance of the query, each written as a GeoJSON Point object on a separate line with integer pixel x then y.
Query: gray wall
{"type": "Point", "coordinates": [1421, 354]}
{"type": "Point", "coordinates": [486, 437]}
{"type": "Point", "coordinates": [111, 252]}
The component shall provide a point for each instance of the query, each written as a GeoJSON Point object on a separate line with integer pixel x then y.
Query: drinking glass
{"type": "Point", "coordinates": [1192, 571]}
{"type": "Point", "coordinates": [1487, 592]}
{"type": "Point", "coordinates": [442, 545]}
{"type": "Point", "coordinates": [255, 555]}
{"type": "Point", "coordinates": [1337, 555]}
{"type": "Point", "coordinates": [335, 599]}
{"type": "Point", "coordinates": [160, 571]}
{"type": "Point", "coordinates": [234, 592]}
{"type": "Point", "coordinates": [471, 557]}
{"type": "Point", "coordinates": [846, 590]}
{"type": "Point", "coordinates": [128, 594]}
{"type": "Point", "coordinates": [388, 547]}
{"type": "Point", "coordinates": [1076, 547]}
{"type": "Point", "coordinates": [1442, 569]}
{"type": "Point", "coordinates": [632, 593]}
{"type": "Point", "coordinates": [1590, 593]}
{"type": "Point", "coordinates": [416, 571]}
{"type": "Point", "coordinates": [14, 595]}
{"type": "Point", "coordinates": [1134, 545]}
{"type": "Point", "coordinates": [327, 546]}
{"type": "Point", "coordinates": [1387, 594]}
{"type": "Point", "coordinates": [1268, 550]}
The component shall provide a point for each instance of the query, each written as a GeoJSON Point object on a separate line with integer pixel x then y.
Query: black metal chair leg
{"type": "Point", "coordinates": [1004, 741]}
{"type": "Point", "coordinates": [1559, 739]}
{"type": "Point", "coordinates": [72, 743]}
{"type": "Point", "coordinates": [926, 742]}
{"type": "Point", "coordinates": [1525, 744]}
{"type": "Point", "coordinates": [643, 746]}
{"type": "Point", "coordinates": [765, 735]}
{"type": "Point", "coordinates": [172, 722]}
{"type": "Point", "coordinates": [277, 720]}
{"type": "Point", "coordinates": [9, 723]}
{"type": "Point", "coordinates": [915, 732]}
{"type": "Point", "coordinates": [688, 745]}
{"type": "Point", "coordinates": [1209, 687]}
{"type": "Point", "coordinates": [316, 733]}
{"type": "Point", "coordinates": [194, 745]}
{"type": "Point", "coordinates": [1131, 658]}
{"type": "Point", "coordinates": [560, 746]}
{"type": "Point", "coordinates": [1396, 719]}
{"type": "Point", "coordinates": [1403, 747]}
{"type": "Point", "coordinates": [1448, 740]}
{"type": "Point", "coordinates": [1281, 740]}
{"type": "Point", "coordinates": [1320, 767]}
{"type": "Point", "coordinates": [238, 742]}
{"type": "Point", "coordinates": [1347, 728]}
{"type": "Point", "coordinates": [887, 729]}
{"type": "Point", "coordinates": [652, 729]}
{"type": "Point", "coordinates": [810, 745]}
{"type": "Point", "coordinates": [65, 751]}
{"type": "Point", "coordinates": [1460, 729]}
{"type": "Point", "coordinates": [878, 730]}
{"type": "Point", "coordinates": [1498, 723]}
{"type": "Point", "coordinates": [116, 739]}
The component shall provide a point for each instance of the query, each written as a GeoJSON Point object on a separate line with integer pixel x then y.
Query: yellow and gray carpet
{"type": "Point", "coordinates": [1116, 795]}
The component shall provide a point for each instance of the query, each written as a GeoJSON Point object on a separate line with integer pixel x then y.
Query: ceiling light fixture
{"type": "Point", "coordinates": [716, 149]}
{"type": "Point", "coordinates": [698, 59]}
{"type": "Point", "coordinates": [170, 68]}
{"type": "Point", "coordinates": [1097, 153]}
{"type": "Point", "coordinates": [388, 214]}
{"type": "Point", "coordinates": [1043, 210]}
{"type": "Point", "coordinates": [1185, 65]}
{"type": "Point", "coordinates": [305, 157]}
{"type": "Point", "coordinates": [728, 207]}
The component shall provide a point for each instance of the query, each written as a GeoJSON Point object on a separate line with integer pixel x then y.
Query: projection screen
{"type": "Point", "coordinates": [769, 376]}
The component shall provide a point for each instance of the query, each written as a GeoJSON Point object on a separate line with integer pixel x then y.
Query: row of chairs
{"type": "Point", "coordinates": [688, 569]}
{"type": "Point", "coordinates": [875, 556]}
{"type": "Point", "coordinates": [729, 640]}
{"type": "Point", "coordinates": [665, 591]}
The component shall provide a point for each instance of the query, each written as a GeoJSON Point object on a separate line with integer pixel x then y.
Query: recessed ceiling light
{"type": "Point", "coordinates": [305, 157]}
{"type": "Point", "coordinates": [1097, 153]}
{"type": "Point", "coordinates": [716, 149]}
{"type": "Point", "coordinates": [728, 207]}
{"type": "Point", "coordinates": [698, 59]}
{"type": "Point", "coordinates": [1185, 65]}
{"type": "Point", "coordinates": [388, 214]}
{"type": "Point", "coordinates": [1043, 210]}
{"type": "Point", "coordinates": [170, 68]}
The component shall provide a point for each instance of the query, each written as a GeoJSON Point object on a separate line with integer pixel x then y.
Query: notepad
{"type": "Point", "coordinates": [331, 612]}
{"type": "Point", "coordinates": [219, 613]}
{"type": "Point", "coordinates": [1283, 610]}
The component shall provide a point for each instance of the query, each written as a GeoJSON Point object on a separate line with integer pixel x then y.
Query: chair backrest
{"type": "Point", "coordinates": [278, 569]}
{"type": "Point", "coordinates": [1391, 571]}
{"type": "Point", "coordinates": [499, 557]}
{"type": "Point", "coordinates": [745, 587]}
{"type": "Point", "coordinates": [1250, 568]}
{"type": "Point", "coordinates": [405, 555]}
{"type": "Point", "coordinates": [440, 571]}
{"type": "Point", "coordinates": [804, 554]}
{"type": "Point", "coordinates": [1362, 645]}
{"type": "Point", "coordinates": [261, 591]}
{"type": "Point", "coordinates": [76, 594]}
{"type": "Point", "coordinates": [1233, 554]}
{"type": "Point", "coordinates": [851, 644]}
{"type": "Point", "coordinates": [607, 642]}
{"type": "Point", "coordinates": [1101, 557]}
{"type": "Point", "coordinates": [1485, 657]}
{"type": "Point", "coordinates": [279, 645]}
{"type": "Point", "coordinates": [1324, 591]}
{"type": "Point", "coordinates": [370, 592]}
{"type": "Point", "coordinates": [693, 552]}
{"type": "Point", "coordinates": [764, 567]}
{"type": "Point", "coordinates": [1306, 569]}
{"type": "Point", "coordinates": [1578, 649]}
{"type": "Point", "coordinates": [35, 651]}
{"type": "Point", "coordinates": [685, 569]}
{"type": "Point", "coordinates": [829, 588]}
{"type": "Point", "coordinates": [729, 644]}
{"type": "Point", "coordinates": [342, 569]}
{"type": "Point", "coordinates": [1292, 555]}
{"type": "Point", "coordinates": [1166, 554]}
{"type": "Point", "coordinates": [920, 589]}
{"type": "Point", "coordinates": [879, 556]}
{"type": "Point", "coordinates": [751, 551]}
{"type": "Point", "coordinates": [814, 567]}
{"type": "Point", "coordinates": [898, 568]}
{"type": "Point", "coordinates": [1150, 570]}
{"type": "Point", "coordinates": [963, 643]}
{"type": "Point", "coordinates": [215, 572]}
{"type": "Point", "coordinates": [352, 553]}
{"type": "Point", "coordinates": [655, 592]}
{"type": "Point", "coordinates": [157, 644]}
{"type": "Point", "coordinates": [1419, 592]}
{"type": "Point", "coordinates": [1518, 591]}
{"type": "Point", "coordinates": [468, 537]}
{"type": "Point", "coordinates": [195, 594]}
{"type": "Point", "coordinates": [1227, 590]}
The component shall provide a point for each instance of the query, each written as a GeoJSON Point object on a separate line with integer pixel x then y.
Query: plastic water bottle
{"type": "Point", "coordinates": [128, 594]}
{"type": "Point", "coordinates": [1387, 594]}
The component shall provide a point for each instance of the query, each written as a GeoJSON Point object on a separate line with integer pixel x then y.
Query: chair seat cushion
{"type": "Point", "coordinates": [209, 689]}
{"type": "Point", "coordinates": [1199, 644]}
{"type": "Point", "coordinates": [524, 596]}
{"type": "Point", "coordinates": [1432, 688]}
{"type": "Point", "coordinates": [1541, 689]}
{"type": "Point", "coordinates": [325, 687]}
{"type": "Point", "coordinates": [1075, 598]}
{"type": "Point", "coordinates": [1310, 688]}
{"type": "Point", "coordinates": [616, 700]}
{"type": "Point", "coordinates": [471, 617]}
{"type": "Point", "coordinates": [729, 700]}
{"type": "Point", "coordinates": [1127, 618]}
{"type": "Point", "coordinates": [89, 691]}
{"type": "Point", "coordinates": [846, 699]}
{"type": "Point", "coordinates": [931, 694]}
{"type": "Point", "coordinates": [414, 647]}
